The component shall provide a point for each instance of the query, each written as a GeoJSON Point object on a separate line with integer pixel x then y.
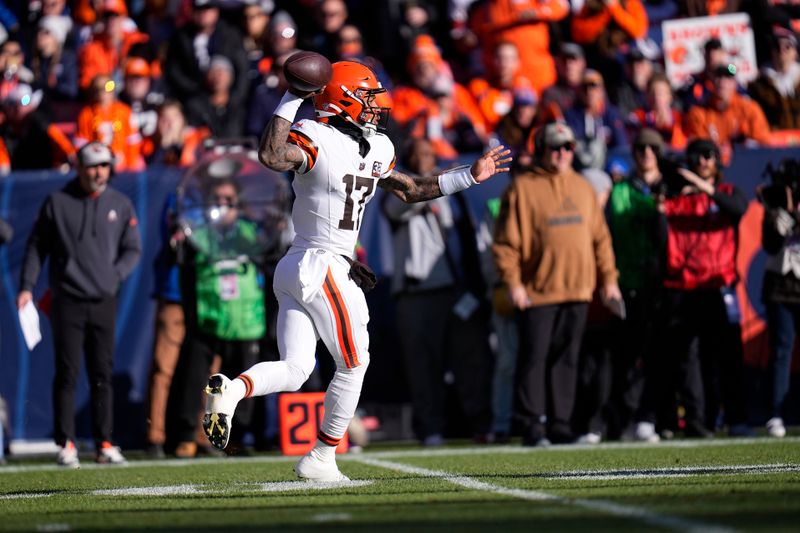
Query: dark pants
{"type": "Point", "coordinates": [784, 322]}
{"type": "Point", "coordinates": [697, 321]}
{"type": "Point", "coordinates": [186, 397]}
{"type": "Point", "coordinates": [433, 340]}
{"type": "Point", "coordinates": [547, 371]}
{"type": "Point", "coordinates": [83, 326]}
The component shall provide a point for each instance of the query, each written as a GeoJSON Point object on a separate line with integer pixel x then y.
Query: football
{"type": "Point", "coordinates": [307, 71]}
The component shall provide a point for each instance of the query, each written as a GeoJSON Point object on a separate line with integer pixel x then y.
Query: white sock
{"type": "Point", "coordinates": [237, 388]}
{"type": "Point", "coordinates": [278, 376]}
{"type": "Point", "coordinates": [323, 452]}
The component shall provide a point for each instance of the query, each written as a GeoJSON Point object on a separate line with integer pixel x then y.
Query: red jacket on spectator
{"type": "Point", "coordinates": [701, 242]}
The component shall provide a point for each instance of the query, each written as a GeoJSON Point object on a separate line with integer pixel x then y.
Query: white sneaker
{"type": "Point", "coordinates": [775, 427]}
{"type": "Point", "coordinates": [68, 456]}
{"type": "Point", "coordinates": [109, 455]}
{"type": "Point", "coordinates": [218, 420]}
{"type": "Point", "coordinates": [314, 469]}
{"type": "Point", "coordinates": [589, 438]}
{"type": "Point", "coordinates": [646, 432]}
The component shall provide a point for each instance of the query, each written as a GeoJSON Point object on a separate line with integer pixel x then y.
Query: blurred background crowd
{"type": "Point", "coordinates": [155, 79]}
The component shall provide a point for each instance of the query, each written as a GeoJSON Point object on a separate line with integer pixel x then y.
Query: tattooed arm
{"type": "Point", "coordinates": [274, 152]}
{"type": "Point", "coordinates": [412, 190]}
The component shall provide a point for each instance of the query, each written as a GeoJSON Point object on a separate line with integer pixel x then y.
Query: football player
{"type": "Point", "coordinates": [338, 160]}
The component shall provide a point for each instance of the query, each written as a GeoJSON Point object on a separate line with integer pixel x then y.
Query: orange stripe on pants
{"type": "Point", "coordinates": [344, 330]}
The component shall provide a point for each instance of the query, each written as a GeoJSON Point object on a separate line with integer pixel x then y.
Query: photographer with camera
{"type": "Point", "coordinates": [780, 237]}
{"type": "Point", "coordinates": [700, 303]}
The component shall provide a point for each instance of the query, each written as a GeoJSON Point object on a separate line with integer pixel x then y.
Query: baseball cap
{"type": "Point", "coordinates": [23, 95]}
{"type": "Point", "coordinates": [95, 153]}
{"type": "Point", "coordinates": [117, 7]}
{"type": "Point", "coordinates": [591, 76]}
{"type": "Point", "coordinates": [712, 44]}
{"type": "Point", "coordinates": [779, 33]}
{"type": "Point", "coordinates": [220, 61]}
{"type": "Point", "coordinates": [635, 54]}
{"type": "Point", "coordinates": [203, 4]}
{"type": "Point", "coordinates": [57, 26]}
{"type": "Point", "coordinates": [618, 165]}
{"type": "Point", "coordinates": [137, 66]}
{"type": "Point", "coordinates": [525, 96]}
{"type": "Point", "coordinates": [649, 137]}
{"type": "Point", "coordinates": [267, 6]}
{"type": "Point", "coordinates": [557, 134]}
{"type": "Point", "coordinates": [726, 69]}
{"type": "Point", "coordinates": [571, 50]}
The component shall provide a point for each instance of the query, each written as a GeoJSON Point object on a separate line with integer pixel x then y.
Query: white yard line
{"type": "Point", "coordinates": [517, 449]}
{"type": "Point", "coordinates": [685, 471]}
{"type": "Point", "coordinates": [603, 506]}
{"type": "Point", "coordinates": [399, 454]}
{"type": "Point", "coordinates": [194, 489]}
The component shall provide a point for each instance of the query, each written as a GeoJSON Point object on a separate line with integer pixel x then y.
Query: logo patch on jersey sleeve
{"type": "Point", "coordinates": [376, 169]}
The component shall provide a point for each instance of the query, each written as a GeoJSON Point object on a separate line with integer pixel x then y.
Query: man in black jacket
{"type": "Point", "coordinates": [90, 232]}
{"type": "Point", "coordinates": [192, 47]}
{"type": "Point", "coordinates": [780, 237]}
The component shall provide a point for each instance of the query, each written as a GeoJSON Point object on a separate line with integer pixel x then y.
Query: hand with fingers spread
{"type": "Point", "coordinates": [493, 162]}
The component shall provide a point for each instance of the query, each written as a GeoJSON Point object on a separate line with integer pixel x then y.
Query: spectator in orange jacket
{"type": "Point", "coordinates": [437, 107]}
{"type": "Point", "coordinates": [495, 94]}
{"type": "Point", "coordinates": [524, 23]}
{"type": "Point", "coordinates": [109, 121]}
{"type": "Point", "coordinates": [727, 117]}
{"type": "Point", "coordinates": [607, 24]}
{"type": "Point", "coordinates": [174, 143]}
{"type": "Point", "coordinates": [109, 47]}
{"type": "Point", "coordinates": [604, 27]}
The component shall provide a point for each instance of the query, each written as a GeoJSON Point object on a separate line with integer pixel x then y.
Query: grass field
{"type": "Point", "coordinates": [717, 485]}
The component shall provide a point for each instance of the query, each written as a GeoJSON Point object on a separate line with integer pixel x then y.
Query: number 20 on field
{"type": "Point", "coordinates": [300, 416]}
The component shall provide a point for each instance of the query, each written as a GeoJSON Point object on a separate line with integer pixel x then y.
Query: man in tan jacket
{"type": "Point", "coordinates": [551, 244]}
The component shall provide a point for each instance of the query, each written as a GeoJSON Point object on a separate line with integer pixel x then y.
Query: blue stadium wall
{"type": "Point", "coordinates": [26, 377]}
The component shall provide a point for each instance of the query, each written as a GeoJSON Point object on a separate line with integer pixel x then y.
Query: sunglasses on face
{"type": "Point", "coordinates": [568, 146]}
{"type": "Point", "coordinates": [223, 199]}
{"type": "Point", "coordinates": [707, 154]}
{"type": "Point", "coordinates": [641, 148]}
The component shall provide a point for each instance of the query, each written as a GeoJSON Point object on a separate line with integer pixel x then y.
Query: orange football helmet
{"type": "Point", "coordinates": [354, 94]}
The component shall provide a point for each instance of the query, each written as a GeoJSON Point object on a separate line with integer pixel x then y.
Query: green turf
{"type": "Point", "coordinates": [397, 500]}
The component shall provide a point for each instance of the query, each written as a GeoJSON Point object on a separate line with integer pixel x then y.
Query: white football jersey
{"type": "Point", "coordinates": [334, 185]}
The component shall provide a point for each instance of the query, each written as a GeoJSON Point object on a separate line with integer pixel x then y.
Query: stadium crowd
{"type": "Point", "coordinates": [154, 79]}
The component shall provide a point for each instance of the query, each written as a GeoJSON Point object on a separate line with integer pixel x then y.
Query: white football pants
{"type": "Point", "coordinates": [317, 299]}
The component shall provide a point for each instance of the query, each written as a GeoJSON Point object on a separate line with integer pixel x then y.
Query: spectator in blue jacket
{"type": "Point", "coordinates": [597, 124]}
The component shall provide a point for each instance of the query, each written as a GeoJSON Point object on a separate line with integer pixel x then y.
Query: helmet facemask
{"type": "Point", "coordinates": [356, 97]}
